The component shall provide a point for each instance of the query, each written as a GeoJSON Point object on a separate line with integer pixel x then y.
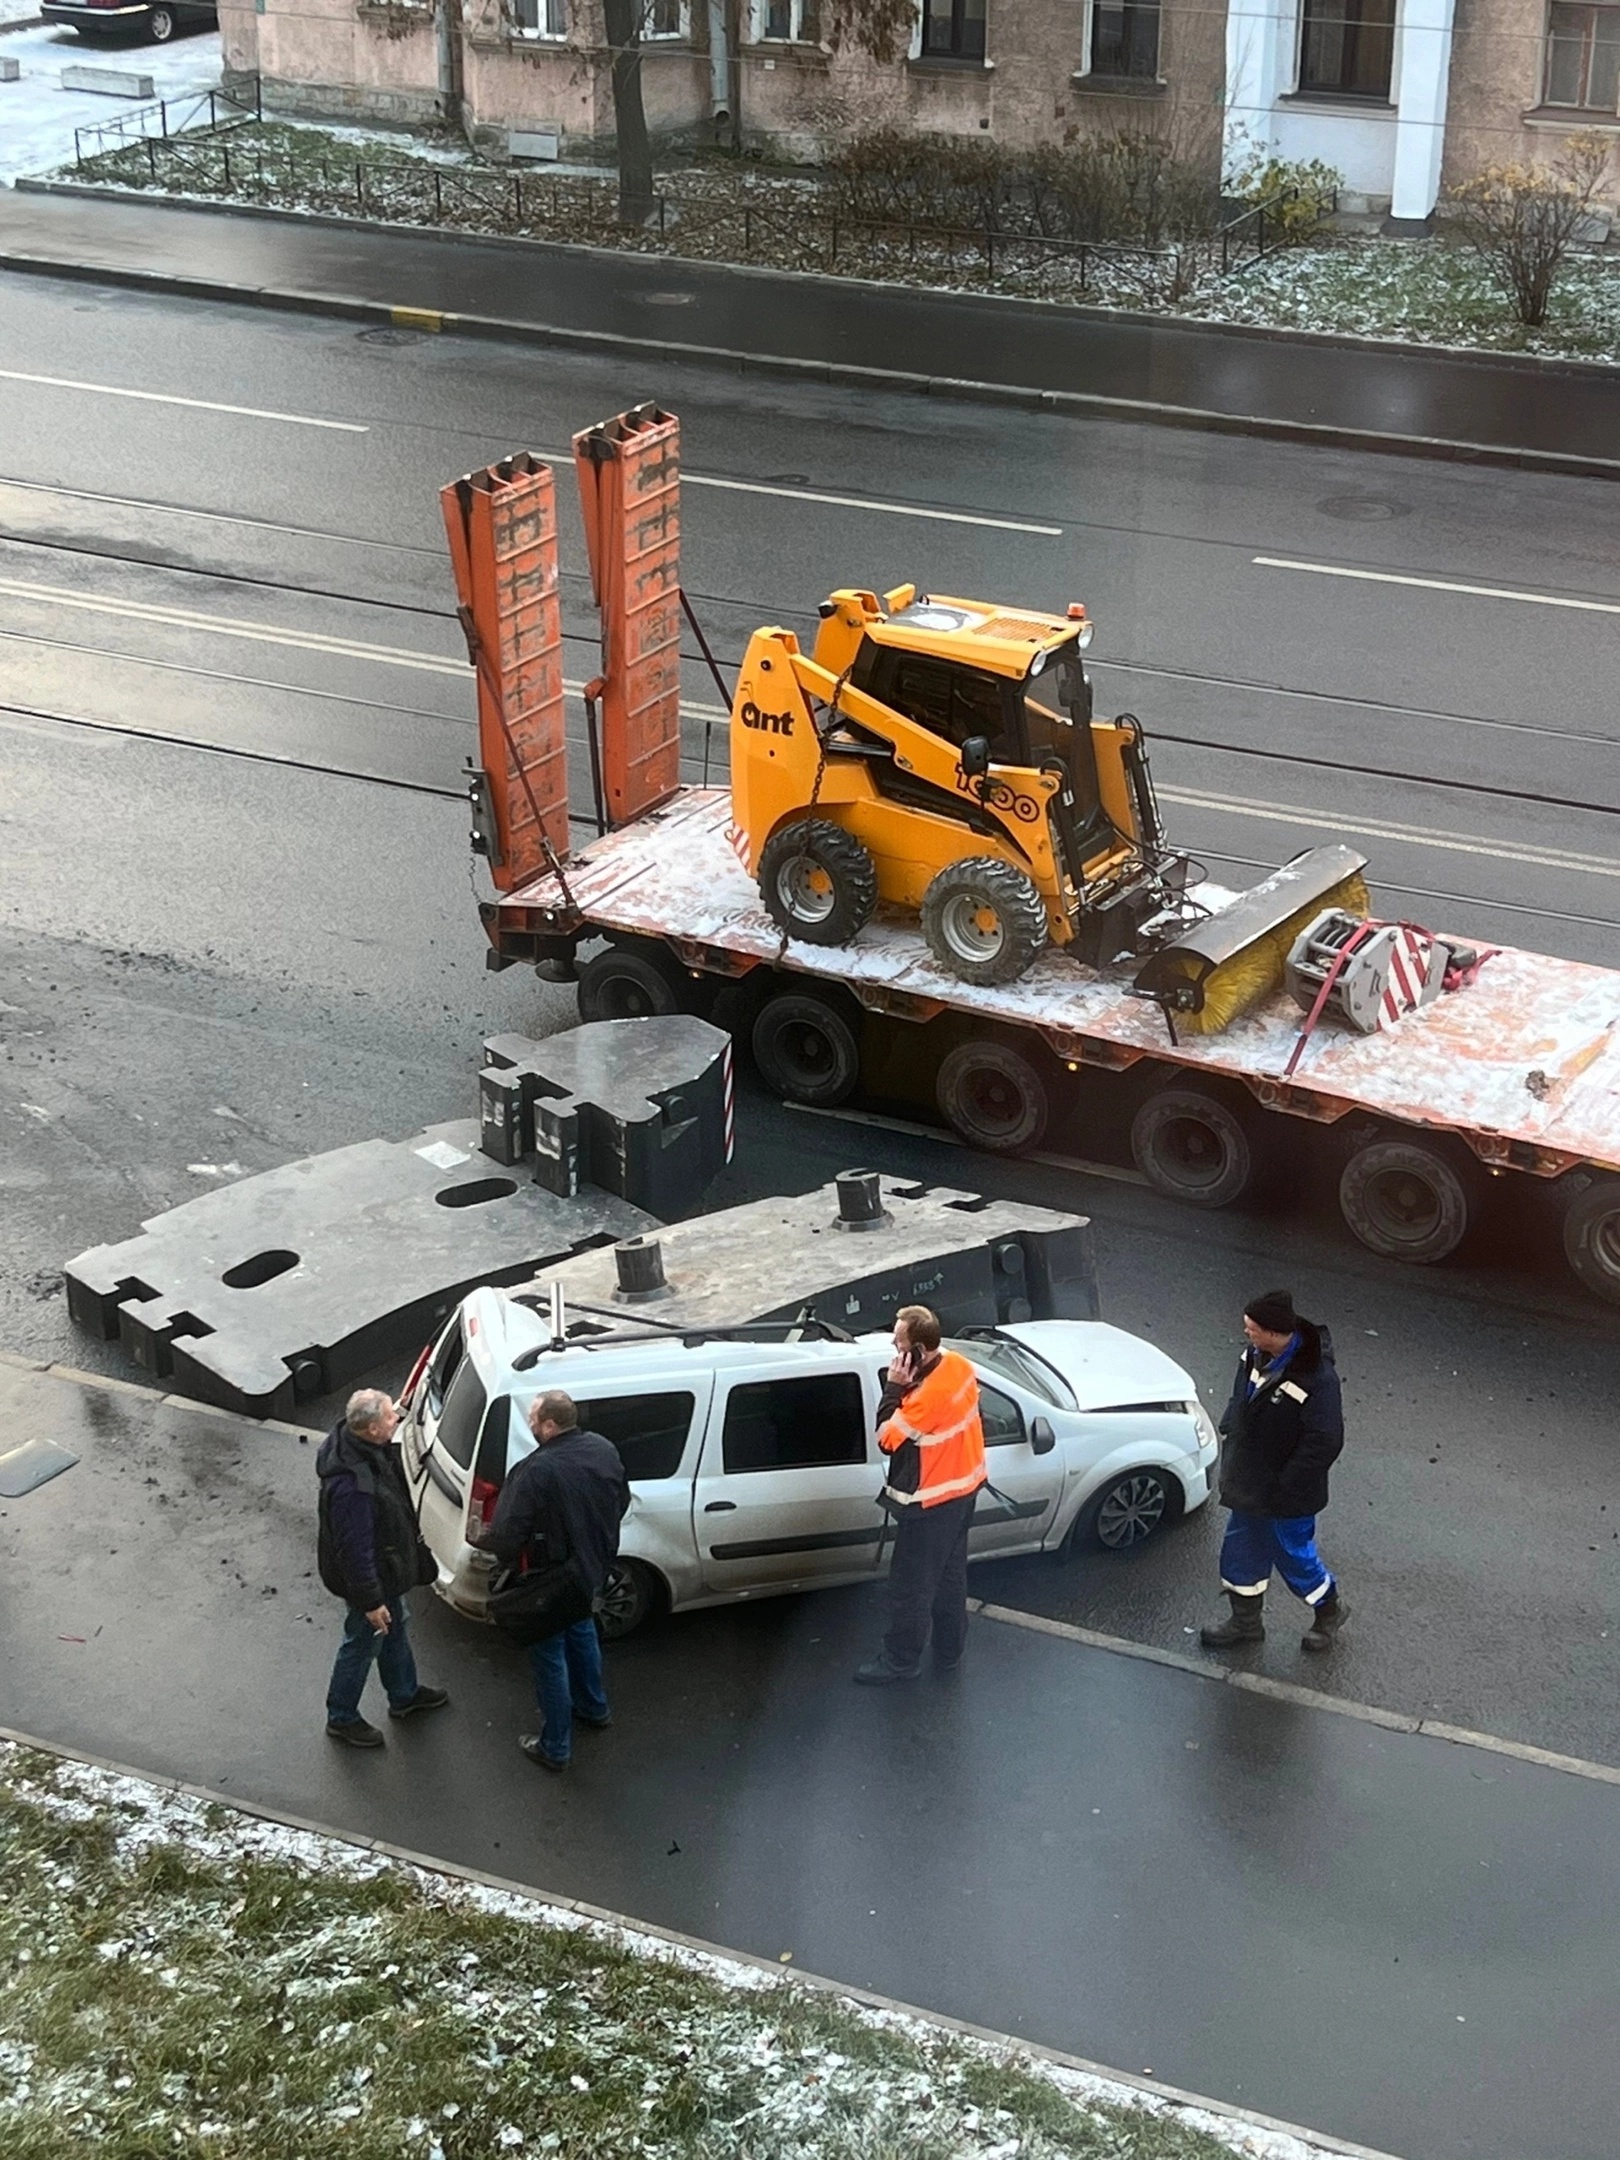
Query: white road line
{"type": "Point", "coordinates": [1430, 584]}
{"type": "Point", "coordinates": [234, 627]}
{"type": "Point", "coordinates": [1336, 821]}
{"type": "Point", "coordinates": [163, 397]}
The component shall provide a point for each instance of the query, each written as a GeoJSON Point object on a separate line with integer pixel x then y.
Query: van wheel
{"type": "Point", "coordinates": [631, 982]}
{"type": "Point", "coordinates": [818, 882]}
{"type": "Point", "coordinates": [992, 1097]}
{"type": "Point", "coordinates": [984, 921]}
{"type": "Point", "coordinates": [1408, 1200]}
{"type": "Point", "coordinates": [1592, 1238]}
{"type": "Point", "coordinates": [1127, 1511]}
{"type": "Point", "coordinates": [1191, 1145]}
{"type": "Point", "coordinates": [630, 1597]}
{"type": "Point", "coordinates": [806, 1049]}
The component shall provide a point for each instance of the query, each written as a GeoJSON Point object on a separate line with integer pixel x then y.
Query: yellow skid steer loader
{"type": "Point", "coordinates": [939, 757]}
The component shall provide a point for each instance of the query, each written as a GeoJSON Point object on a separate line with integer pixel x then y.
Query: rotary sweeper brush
{"type": "Point", "coordinates": [940, 757]}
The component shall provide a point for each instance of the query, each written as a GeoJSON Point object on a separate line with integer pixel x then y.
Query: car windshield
{"type": "Point", "coordinates": [999, 1354]}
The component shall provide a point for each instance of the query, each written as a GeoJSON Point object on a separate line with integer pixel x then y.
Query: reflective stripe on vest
{"type": "Point", "coordinates": [941, 1413]}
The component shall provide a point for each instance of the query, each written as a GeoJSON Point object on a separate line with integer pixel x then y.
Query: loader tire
{"type": "Point", "coordinates": [984, 921]}
{"type": "Point", "coordinates": [806, 1049]}
{"type": "Point", "coordinates": [991, 1096]}
{"type": "Point", "coordinates": [1192, 1145]}
{"type": "Point", "coordinates": [1408, 1199]}
{"type": "Point", "coordinates": [818, 882]}
{"type": "Point", "coordinates": [1592, 1237]}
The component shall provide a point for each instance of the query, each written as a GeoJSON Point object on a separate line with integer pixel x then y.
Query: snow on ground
{"type": "Point", "coordinates": [37, 116]}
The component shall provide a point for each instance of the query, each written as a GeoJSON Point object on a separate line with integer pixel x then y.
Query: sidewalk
{"type": "Point", "coordinates": [1492, 409]}
{"type": "Point", "coordinates": [1404, 1942]}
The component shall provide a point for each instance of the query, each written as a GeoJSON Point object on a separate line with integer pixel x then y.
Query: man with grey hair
{"type": "Point", "coordinates": [560, 1510]}
{"type": "Point", "coordinates": [371, 1553]}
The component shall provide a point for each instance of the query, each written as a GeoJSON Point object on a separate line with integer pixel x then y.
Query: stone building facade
{"type": "Point", "coordinates": [1018, 72]}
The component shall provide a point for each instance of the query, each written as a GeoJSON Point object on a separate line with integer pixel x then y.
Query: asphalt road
{"type": "Point", "coordinates": [1393, 1938]}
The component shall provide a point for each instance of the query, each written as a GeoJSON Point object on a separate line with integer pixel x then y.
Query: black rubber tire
{"type": "Point", "coordinates": [806, 1050]}
{"type": "Point", "coordinates": [1192, 1145]}
{"type": "Point", "coordinates": [1408, 1200]}
{"type": "Point", "coordinates": [984, 884]}
{"type": "Point", "coordinates": [161, 25]}
{"type": "Point", "coordinates": [631, 982]}
{"type": "Point", "coordinates": [816, 844]}
{"type": "Point", "coordinates": [1127, 1512]}
{"type": "Point", "coordinates": [991, 1096]}
{"type": "Point", "coordinates": [632, 1595]}
{"type": "Point", "coordinates": [1592, 1238]}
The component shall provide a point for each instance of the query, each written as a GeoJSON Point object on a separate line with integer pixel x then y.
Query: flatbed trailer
{"type": "Point", "coordinates": [1516, 1073]}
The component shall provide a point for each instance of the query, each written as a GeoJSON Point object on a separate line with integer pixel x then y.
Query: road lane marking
{"type": "Point", "coordinates": [1419, 835]}
{"type": "Point", "coordinates": [1429, 584]}
{"type": "Point", "coordinates": [164, 397]}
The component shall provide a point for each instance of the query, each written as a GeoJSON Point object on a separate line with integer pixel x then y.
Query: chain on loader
{"type": "Point", "coordinates": [940, 756]}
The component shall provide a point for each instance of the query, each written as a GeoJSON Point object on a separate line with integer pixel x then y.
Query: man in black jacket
{"type": "Point", "coordinates": [562, 1505]}
{"type": "Point", "coordinates": [1284, 1429]}
{"type": "Point", "coordinates": [370, 1554]}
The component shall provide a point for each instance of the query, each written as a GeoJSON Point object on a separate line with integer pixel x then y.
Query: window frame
{"type": "Point", "coordinates": [540, 34]}
{"type": "Point", "coordinates": [1127, 9]}
{"type": "Point", "coordinates": [954, 54]}
{"type": "Point", "coordinates": [804, 23]}
{"type": "Point", "coordinates": [1336, 91]}
{"type": "Point", "coordinates": [681, 31]}
{"type": "Point", "coordinates": [1592, 10]}
{"type": "Point", "coordinates": [848, 1376]}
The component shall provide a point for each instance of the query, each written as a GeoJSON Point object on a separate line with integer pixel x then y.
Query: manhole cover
{"type": "Point", "coordinates": [386, 336]}
{"type": "Point", "coordinates": [1363, 509]}
{"type": "Point", "coordinates": [669, 299]}
{"type": "Point", "coordinates": [787, 479]}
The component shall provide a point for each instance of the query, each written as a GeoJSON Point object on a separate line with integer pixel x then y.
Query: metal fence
{"type": "Point", "coordinates": [198, 112]}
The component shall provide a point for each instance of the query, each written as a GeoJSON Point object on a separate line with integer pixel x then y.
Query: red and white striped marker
{"type": "Point", "coordinates": [1409, 955]}
{"type": "Point", "coordinates": [739, 846]}
{"type": "Point", "coordinates": [729, 1093]}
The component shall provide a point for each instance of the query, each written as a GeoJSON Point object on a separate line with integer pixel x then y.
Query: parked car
{"type": "Point", "coordinates": [754, 1465]}
{"type": "Point", "coordinates": [140, 22]}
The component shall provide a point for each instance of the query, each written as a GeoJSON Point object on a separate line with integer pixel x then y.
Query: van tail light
{"type": "Point", "coordinates": [420, 1366]}
{"type": "Point", "coordinates": [481, 1509]}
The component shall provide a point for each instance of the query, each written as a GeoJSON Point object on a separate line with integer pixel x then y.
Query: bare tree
{"type": "Point", "coordinates": [624, 22]}
{"type": "Point", "coordinates": [1523, 219]}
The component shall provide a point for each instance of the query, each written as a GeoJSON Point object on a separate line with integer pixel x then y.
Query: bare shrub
{"type": "Point", "coordinates": [1523, 219]}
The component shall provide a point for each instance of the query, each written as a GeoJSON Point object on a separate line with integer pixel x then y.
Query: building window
{"type": "Point", "coordinates": [1347, 48]}
{"type": "Point", "coordinates": [1583, 57]}
{"type": "Point", "coordinates": [540, 18]}
{"type": "Point", "coordinates": [787, 22]}
{"type": "Point", "coordinates": [953, 30]}
{"type": "Point", "coordinates": [1125, 38]}
{"type": "Point", "coordinates": [663, 19]}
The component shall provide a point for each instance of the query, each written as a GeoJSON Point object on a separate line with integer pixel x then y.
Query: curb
{"type": "Point", "coordinates": [1009, 1616]}
{"type": "Point", "coordinates": [957, 2028]}
{"type": "Point", "coordinates": [1070, 404]}
{"type": "Point", "coordinates": [1077, 310]}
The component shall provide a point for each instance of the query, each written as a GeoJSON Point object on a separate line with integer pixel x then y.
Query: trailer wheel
{"type": "Point", "coordinates": [818, 882]}
{"type": "Point", "coordinates": [1592, 1238]}
{"type": "Point", "coordinates": [984, 920]}
{"type": "Point", "coordinates": [1191, 1145]}
{"type": "Point", "coordinates": [806, 1050]}
{"type": "Point", "coordinates": [992, 1097]}
{"type": "Point", "coordinates": [1408, 1200]}
{"type": "Point", "coordinates": [631, 982]}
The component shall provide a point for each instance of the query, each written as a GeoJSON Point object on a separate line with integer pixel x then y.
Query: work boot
{"type": "Point", "coordinates": [425, 1698]}
{"type": "Point", "coordinates": [1245, 1626]}
{"type": "Point", "coordinates": [1326, 1621]}
{"type": "Point", "coordinates": [880, 1672]}
{"type": "Point", "coordinates": [357, 1733]}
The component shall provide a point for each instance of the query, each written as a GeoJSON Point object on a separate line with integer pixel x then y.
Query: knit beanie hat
{"type": "Point", "coordinates": [1274, 1311]}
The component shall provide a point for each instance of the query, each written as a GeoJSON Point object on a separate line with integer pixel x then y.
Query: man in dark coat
{"type": "Point", "coordinates": [370, 1554]}
{"type": "Point", "coordinates": [562, 1506]}
{"type": "Point", "coordinates": [1284, 1429]}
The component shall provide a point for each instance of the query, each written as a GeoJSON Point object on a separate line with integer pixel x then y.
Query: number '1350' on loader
{"type": "Point", "coordinates": [939, 756]}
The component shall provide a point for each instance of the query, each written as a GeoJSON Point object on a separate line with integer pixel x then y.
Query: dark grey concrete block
{"type": "Point", "coordinates": [640, 1108]}
{"type": "Point", "coordinates": [287, 1285]}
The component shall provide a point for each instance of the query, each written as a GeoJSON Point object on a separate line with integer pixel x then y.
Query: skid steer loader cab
{"type": "Point", "coordinates": [939, 755]}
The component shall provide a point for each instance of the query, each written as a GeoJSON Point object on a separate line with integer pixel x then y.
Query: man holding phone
{"type": "Point", "coordinates": [928, 1427]}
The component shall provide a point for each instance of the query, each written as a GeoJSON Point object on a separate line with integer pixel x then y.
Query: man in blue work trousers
{"type": "Point", "coordinates": [1283, 1431]}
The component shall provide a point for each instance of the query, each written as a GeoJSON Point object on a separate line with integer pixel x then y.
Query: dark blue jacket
{"type": "Point", "coordinates": [1284, 1437]}
{"type": "Point", "coordinates": [370, 1549]}
{"type": "Point", "coordinates": [564, 1502]}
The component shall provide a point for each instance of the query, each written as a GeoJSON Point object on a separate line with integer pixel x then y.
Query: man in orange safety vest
{"type": "Point", "coordinates": [928, 1426]}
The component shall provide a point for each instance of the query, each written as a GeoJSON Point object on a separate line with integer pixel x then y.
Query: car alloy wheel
{"type": "Point", "coordinates": [1131, 1510]}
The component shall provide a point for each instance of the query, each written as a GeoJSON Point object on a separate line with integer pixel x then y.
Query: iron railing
{"type": "Point", "coordinates": [197, 112]}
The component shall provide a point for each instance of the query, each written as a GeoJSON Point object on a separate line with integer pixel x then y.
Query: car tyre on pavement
{"type": "Point", "coordinates": [1127, 1511]}
{"type": "Point", "coordinates": [630, 1598]}
{"type": "Point", "coordinates": [161, 24]}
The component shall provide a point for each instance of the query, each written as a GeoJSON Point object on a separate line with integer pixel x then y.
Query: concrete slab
{"type": "Point", "coordinates": [109, 82]}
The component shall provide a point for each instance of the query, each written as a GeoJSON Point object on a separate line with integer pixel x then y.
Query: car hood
{"type": "Point", "coordinates": [1105, 1367]}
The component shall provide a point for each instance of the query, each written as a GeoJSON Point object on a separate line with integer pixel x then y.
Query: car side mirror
{"type": "Point", "coordinates": [1042, 1439]}
{"type": "Point", "coordinates": [974, 756]}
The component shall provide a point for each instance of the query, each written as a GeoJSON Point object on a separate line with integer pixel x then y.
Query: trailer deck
{"type": "Point", "coordinates": [1523, 1062]}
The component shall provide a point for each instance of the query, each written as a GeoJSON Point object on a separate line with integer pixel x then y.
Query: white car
{"type": "Point", "coordinates": [754, 1465]}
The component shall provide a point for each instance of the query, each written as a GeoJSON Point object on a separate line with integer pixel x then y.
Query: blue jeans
{"type": "Point", "coordinates": [360, 1646]}
{"type": "Point", "coordinates": [1255, 1544]}
{"type": "Point", "coordinates": [567, 1678]}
